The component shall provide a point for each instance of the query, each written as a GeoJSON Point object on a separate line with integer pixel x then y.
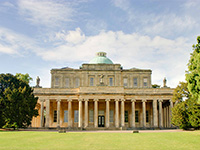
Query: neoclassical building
{"type": "Point", "coordinates": [103, 95]}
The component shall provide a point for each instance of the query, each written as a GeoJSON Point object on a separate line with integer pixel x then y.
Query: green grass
{"type": "Point", "coordinates": [85, 141]}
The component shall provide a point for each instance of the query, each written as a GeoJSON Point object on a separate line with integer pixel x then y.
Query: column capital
{"type": "Point", "coordinates": [69, 100]}
{"type": "Point", "coordinates": [144, 100]}
{"type": "Point", "coordinates": [58, 100]}
{"type": "Point", "coordinates": [170, 100]}
{"type": "Point", "coordinates": [96, 99]}
{"type": "Point", "coordinates": [86, 99]}
{"type": "Point", "coordinates": [160, 100]}
{"type": "Point", "coordinates": [133, 100]}
{"type": "Point", "coordinates": [80, 99]}
{"type": "Point", "coordinates": [117, 99]}
{"type": "Point", "coordinates": [122, 99]}
{"type": "Point", "coordinates": [42, 100]}
{"type": "Point", "coordinates": [107, 99]}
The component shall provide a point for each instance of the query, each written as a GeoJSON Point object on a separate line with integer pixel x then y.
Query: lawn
{"type": "Point", "coordinates": [85, 141]}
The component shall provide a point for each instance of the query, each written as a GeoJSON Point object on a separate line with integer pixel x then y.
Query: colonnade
{"type": "Point", "coordinates": [161, 115]}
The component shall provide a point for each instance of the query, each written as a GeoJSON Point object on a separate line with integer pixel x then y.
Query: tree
{"type": "Point", "coordinates": [155, 86]}
{"type": "Point", "coordinates": [193, 73]}
{"type": "Point", "coordinates": [186, 113]}
{"type": "Point", "coordinates": [181, 92]}
{"type": "Point", "coordinates": [17, 102]}
{"type": "Point", "coordinates": [24, 77]}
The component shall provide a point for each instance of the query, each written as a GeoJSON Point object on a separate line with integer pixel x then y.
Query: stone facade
{"type": "Point", "coordinates": [103, 95]}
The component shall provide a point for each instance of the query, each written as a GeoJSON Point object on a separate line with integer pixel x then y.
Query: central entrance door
{"type": "Point", "coordinates": [101, 121]}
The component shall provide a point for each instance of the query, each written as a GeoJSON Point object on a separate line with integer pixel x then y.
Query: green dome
{"type": "Point", "coordinates": [101, 59]}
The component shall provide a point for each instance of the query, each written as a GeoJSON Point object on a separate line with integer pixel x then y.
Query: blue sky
{"type": "Point", "coordinates": [38, 35]}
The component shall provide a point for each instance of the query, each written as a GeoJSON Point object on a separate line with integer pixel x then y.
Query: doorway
{"type": "Point", "coordinates": [101, 121]}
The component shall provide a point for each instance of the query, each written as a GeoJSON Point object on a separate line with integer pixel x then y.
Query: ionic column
{"type": "Point", "coordinates": [86, 112]}
{"type": "Point", "coordinates": [122, 112]}
{"type": "Point", "coordinates": [133, 113]}
{"type": "Point", "coordinates": [167, 114]}
{"type": "Point", "coordinates": [79, 113]}
{"type": "Point", "coordinates": [170, 112]}
{"type": "Point", "coordinates": [96, 113]}
{"type": "Point", "coordinates": [42, 113]}
{"type": "Point", "coordinates": [47, 113]}
{"type": "Point", "coordinates": [144, 112]}
{"type": "Point", "coordinates": [155, 114]}
{"type": "Point", "coordinates": [117, 113]}
{"type": "Point", "coordinates": [107, 113]}
{"type": "Point", "coordinates": [160, 114]}
{"type": "Point", "coordinates": [164, 116]}
{"type": "Point", "coordinates": [58, 112]}
{"type": "Point", "coordinates": [69, 113]}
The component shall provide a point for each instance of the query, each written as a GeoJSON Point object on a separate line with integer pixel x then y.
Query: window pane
{"type": "Point", "coordinates": [75, 115]}
{"type": "Point", "coordinates": [67, 82]}
{"type": "Point", "coordinates": [135, 82]}
{"type": "Point", "coordinates": [65, 115]}
{"type": "Point", "coordinates": [91, 81]}
{"type": "Point", "coordinates": [145, 81]}
{"type": "Point", "coordinates": [126, 116]}
{"type": "Point", "coordinates": [111, 115]}
{"type": "Point", "coordinates": [77, 82]}
{"type": "Point", "coordinates": [111, 81]}
{"type": "Point", "coordinates": [91, 116]}
{"type": "Point", "coordinates": [57, 81]}
{"type": "Point", "coordinates": [136, 116]}
{"type": "Point", "coordinates": [55, 116]}
{"type": "Point", "coordinates": [125, 82]}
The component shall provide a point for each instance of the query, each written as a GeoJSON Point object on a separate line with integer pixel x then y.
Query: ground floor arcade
{"type": "Point", "coordinates": [98, 112]}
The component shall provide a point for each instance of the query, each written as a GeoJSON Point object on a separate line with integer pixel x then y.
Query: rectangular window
{"type": "Point", "coordinates": [147, 116]}
{"type": "Point", "coordinates": [125, 82]}
{"type": "Point", "coordinates": [56, 81]}
{"type": "Point", "coordinates": [111, 81]}
{"type": "Point", "coordinates": [67, 82]}
{"type": "Point", "coordinates": [135, 84]}
{"type": "Point", "coordinates": [145, 82]}
{"type": "Point", "coordinates": [77, 82]}
{"type": "Point", "coordinates": [136, 116]}
{"type": "Point", "coordinates": [111, 115]}
{"type": "Point", "coordinates": [55, 116]}
{"type": "Point", "coordinates": [65, 115]}
{"type": "Point", "coordinates": [91, 116]}
{"type": "Point", "coordinates": [126, 116]}
{"type": "Point", "coordinates": [75, 115]}
{"type": "Point", "coordinates": [91, 81]}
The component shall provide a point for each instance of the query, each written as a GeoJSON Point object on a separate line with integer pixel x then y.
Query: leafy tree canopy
{"type": "Point", "coordinates": [17, 102]}
{"type": "Point", "coordinates": [193, 73]}
{"type": "Point", "coordinates": [155, 86]}
{"type": "Point", "coordinates": [25, 77]}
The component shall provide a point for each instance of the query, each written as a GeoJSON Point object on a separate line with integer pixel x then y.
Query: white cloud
{"type": "Point", "coordinates": [46, 12]}
{"type": "Point", "coordinates": [14, 43]}
{"type": "Point", "coordinates": [167, 57]}
{"type": "Point", "coordinates": [73, 37]}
